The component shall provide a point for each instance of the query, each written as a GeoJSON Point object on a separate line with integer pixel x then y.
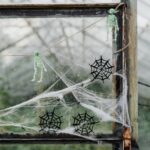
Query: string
{"type": "Point", "coordinates": [122, 49]}
{"type": "Point", "coordinates": [117, 51]}
{"type": "Point", "coordinates": [120, 4]}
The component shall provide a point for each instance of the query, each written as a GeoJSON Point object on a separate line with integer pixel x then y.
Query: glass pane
{"type": "Point", "coordinates": [61, 82]}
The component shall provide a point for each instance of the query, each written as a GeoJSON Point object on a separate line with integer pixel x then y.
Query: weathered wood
{"type": "Point", "coordinates": [132, 65]}
{"type": "Point", "coordinates": [127, 64]}
{"type": "Point", "coordinates": [55, 10]}
{"type": "Point", "coordinates": [57, 139]}
{"type": "Point", "coordinates": [59, 6]}
{"type": "Point", "coordinates": [117, 83]}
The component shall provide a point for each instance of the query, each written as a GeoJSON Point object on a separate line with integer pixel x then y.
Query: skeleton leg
{"type": "Point", "coordinates": [115, 34]}
{"type": "Point", "coordinates": [35, 74]}
{"type": "Point", "coordinates": [41, 76]}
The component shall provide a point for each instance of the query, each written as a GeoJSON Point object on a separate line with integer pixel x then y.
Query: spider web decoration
{"type": "Point", "coordinates": [84, 123]}
{"type": "Point", "coordinates": [50, 122]}
{"type": "Point", "coordinates": [101, 69]}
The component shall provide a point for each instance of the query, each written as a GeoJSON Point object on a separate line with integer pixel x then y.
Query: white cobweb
{"type": "Point", "coordinates": [67, 87]}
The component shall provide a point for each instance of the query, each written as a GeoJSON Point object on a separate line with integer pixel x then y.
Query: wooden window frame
{"type": "Point", "coordinates": [73, 10]}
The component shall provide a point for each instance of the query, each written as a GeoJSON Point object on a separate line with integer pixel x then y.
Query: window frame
{"type": "Point", "coordinates": [60, 11]}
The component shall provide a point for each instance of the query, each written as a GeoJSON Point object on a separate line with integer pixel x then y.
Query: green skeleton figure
{"type": "Point", "coordinates": [38, 67]}
{"type": "Point", "coordinates": [112, 22]}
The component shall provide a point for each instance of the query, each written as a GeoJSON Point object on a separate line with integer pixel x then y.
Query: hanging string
{"type": "Point", "coordinates": [122, 49]}
{"type": "Point", "coordinates": [119, 5]}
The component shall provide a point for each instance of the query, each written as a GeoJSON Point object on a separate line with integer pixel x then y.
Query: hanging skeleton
{"type": "Point", "coordinates": [39, 67]}
{"type": "Point", "coordinates": [112, 22]}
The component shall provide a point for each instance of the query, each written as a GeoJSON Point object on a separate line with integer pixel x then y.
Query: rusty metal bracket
{"type": "Point", "coordinates": [127, 139]}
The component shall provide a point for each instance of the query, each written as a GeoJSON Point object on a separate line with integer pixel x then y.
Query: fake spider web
{"type": "Point", "coordinates": [67, 87]}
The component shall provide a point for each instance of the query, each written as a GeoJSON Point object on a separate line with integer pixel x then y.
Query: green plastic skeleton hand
{"type": "Point", "coordinates": [39, 67]}
{"type": "Point", "coordinates": [112, 22]}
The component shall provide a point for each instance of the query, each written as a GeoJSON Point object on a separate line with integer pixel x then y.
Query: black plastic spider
{"type": "Point", "coordinates": [101, 69]}
{"type": "Point", "coordinates": [84, 123]}
{"type": "Point", "coordinates": [50, 122]}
